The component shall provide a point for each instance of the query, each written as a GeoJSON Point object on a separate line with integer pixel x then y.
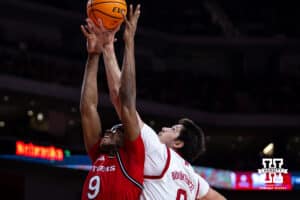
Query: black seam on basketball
{"type": "Point", "coordinates": [92, 11]}
{"type": "Point", "coordinates": [106, 14]}
{"type": "Point", "coordinates": [93, 4]}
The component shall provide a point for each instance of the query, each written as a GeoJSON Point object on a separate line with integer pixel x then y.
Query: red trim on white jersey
{"type": "Point", "coordinates": [197, 193]}
{"type": "Point", "coordinates": [165, 168]}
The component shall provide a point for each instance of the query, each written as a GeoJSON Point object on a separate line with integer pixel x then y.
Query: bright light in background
{"type": "Point", "coordinates": [2, 124]}
{"type": "Point", "coordinates": [30, 113]}
{"type": "Point", "coordinates": [67, 153]}
{"type": "Point", "coordinates": [269, 149]}
{"type": "Point", "coordinates": [40, 116]}
{"type": "Point", "coordinates": [36, 151]}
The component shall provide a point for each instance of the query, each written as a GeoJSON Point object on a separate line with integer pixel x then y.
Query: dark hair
{"type": "Point", "coordinates": [194, 140]}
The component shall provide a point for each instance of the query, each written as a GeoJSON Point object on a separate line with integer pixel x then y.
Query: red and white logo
{"type": "Point", "coordinates": [272, 167]}
{"type": "Point", "coordinates": [101, 158]}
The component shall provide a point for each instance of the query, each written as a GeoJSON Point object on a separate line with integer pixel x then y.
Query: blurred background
{"type": "Point", "coordinates": [231, 66]}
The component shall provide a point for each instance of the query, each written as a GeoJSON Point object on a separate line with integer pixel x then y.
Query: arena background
{"type": "Point", "coordinates": [232, 66]}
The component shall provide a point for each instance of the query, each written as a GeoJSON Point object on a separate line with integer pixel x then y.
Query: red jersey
{"type": "Point", "coordinates": [118, 177]}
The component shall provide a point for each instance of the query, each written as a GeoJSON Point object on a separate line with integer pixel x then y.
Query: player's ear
{"type": "Point", "coordinates": [178, 144]}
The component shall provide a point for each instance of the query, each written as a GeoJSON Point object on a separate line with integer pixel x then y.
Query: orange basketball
{"type": "Point", "coordinates": [109, 11]}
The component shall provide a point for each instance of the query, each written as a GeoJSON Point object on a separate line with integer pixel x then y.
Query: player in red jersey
{"type": "Point", "coordinates": [117, 154]}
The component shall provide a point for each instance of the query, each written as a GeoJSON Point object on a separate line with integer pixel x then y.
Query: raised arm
{"type": "Point", "coordinates": [90, 118]}
{"type": "Point", "coordinates": [128, 81]}
{"type": "Point", "coordinates": [112, 70]}
{"type": "Point", "coordinates": [113, 73]}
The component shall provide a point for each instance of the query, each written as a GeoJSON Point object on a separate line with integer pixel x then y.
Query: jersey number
{"type": "Point", "coordinates": [181, 194]}
{"type": "Point", "coordinates": [94, 187]}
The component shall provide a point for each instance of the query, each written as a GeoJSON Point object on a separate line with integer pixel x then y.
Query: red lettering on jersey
{"type": "Point", "coordinates": [183, 177]}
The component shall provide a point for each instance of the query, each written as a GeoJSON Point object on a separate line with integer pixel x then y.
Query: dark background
{"type": "Point", "coordinates": [231, 66]}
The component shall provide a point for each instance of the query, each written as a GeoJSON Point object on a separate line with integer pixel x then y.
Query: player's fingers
{"type": "Point", "coordinates": [101, 26]}
{"type": "Point", "coordinates": [130, 11]}
{"type": "Point", "coordinates": [125, 18]}
{"type": "Point", "coordinates": [87, 29]}
{"type": "Point", "coordinates": [137, 12]}
{"type": "Point", "coordinates": [94, 27]}
{"type": "Point", "coordinates": [89, 21]}
{"type": "Point", "coordinates": [90, 26]}
{"type": "Point", "coordinates": [83, 30]}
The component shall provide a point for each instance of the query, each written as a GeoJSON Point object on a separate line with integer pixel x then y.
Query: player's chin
{"type": "Point", "coordinates": [107, 147]}
{"type": "Point", "coordinates": [106, 142]}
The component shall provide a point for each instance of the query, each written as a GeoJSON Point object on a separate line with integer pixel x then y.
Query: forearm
{"type": "Point", "coordinates": [91, 123]}
{"type": "Point", "coordinates": [113, 75]}
{"type": "Point", "coordinates": [89, 90]}
{"type": "Point", "coordinates": [128, 78]}
{"type": "Point", "coordinates": [128, 94]}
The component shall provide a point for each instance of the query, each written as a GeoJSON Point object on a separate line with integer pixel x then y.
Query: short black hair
{"type": "Point", "coordinates": [194, 140]}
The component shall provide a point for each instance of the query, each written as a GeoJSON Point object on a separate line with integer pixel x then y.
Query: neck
{"type": "Point", "coordinates": [178, 152]}
{"type": "Point", "coordinates": [109, 152]}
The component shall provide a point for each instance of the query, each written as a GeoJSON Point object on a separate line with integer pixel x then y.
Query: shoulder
{"type": "Point", "coordinates": [133, 150]}
{"type": "Point", "coordinates": [94, 152]}
{"type": "Point", "coordinates": [147, 131]}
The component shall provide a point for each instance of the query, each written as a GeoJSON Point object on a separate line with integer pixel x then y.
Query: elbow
{"type": "Point", "coordinates": [86, 108]}
{"type": "Point", "coordinates": [83, 108]}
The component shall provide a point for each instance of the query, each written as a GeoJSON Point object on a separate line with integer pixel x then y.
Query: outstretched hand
{"type": "Point", "coordinates": [131, 22]}
{"type": "Point", "coordinates": [90, 31]}
{"type": "Point", "coordinates": [97, 36]}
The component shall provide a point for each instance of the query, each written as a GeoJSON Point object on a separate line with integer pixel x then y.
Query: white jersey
{"type": "Point", "coordinates": [167, 176]}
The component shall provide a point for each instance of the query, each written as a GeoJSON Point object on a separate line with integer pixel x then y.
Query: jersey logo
{"type": "Point", "coordinates": [101, 158]}
{"type": "Point", "coordinates": [102, 168]}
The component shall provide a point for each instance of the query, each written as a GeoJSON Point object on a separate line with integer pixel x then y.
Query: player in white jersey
{"type": "Point", "coordinates": [167, 174]}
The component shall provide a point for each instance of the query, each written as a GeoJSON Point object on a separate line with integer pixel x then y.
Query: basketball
{"type": "Point", "coordinates": [110, 12]}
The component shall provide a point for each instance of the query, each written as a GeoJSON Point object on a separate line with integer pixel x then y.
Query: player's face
{"type": "Point", "coordinates": [112, 139]}
{"type": "Point", "coordinates": [168, 135]}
